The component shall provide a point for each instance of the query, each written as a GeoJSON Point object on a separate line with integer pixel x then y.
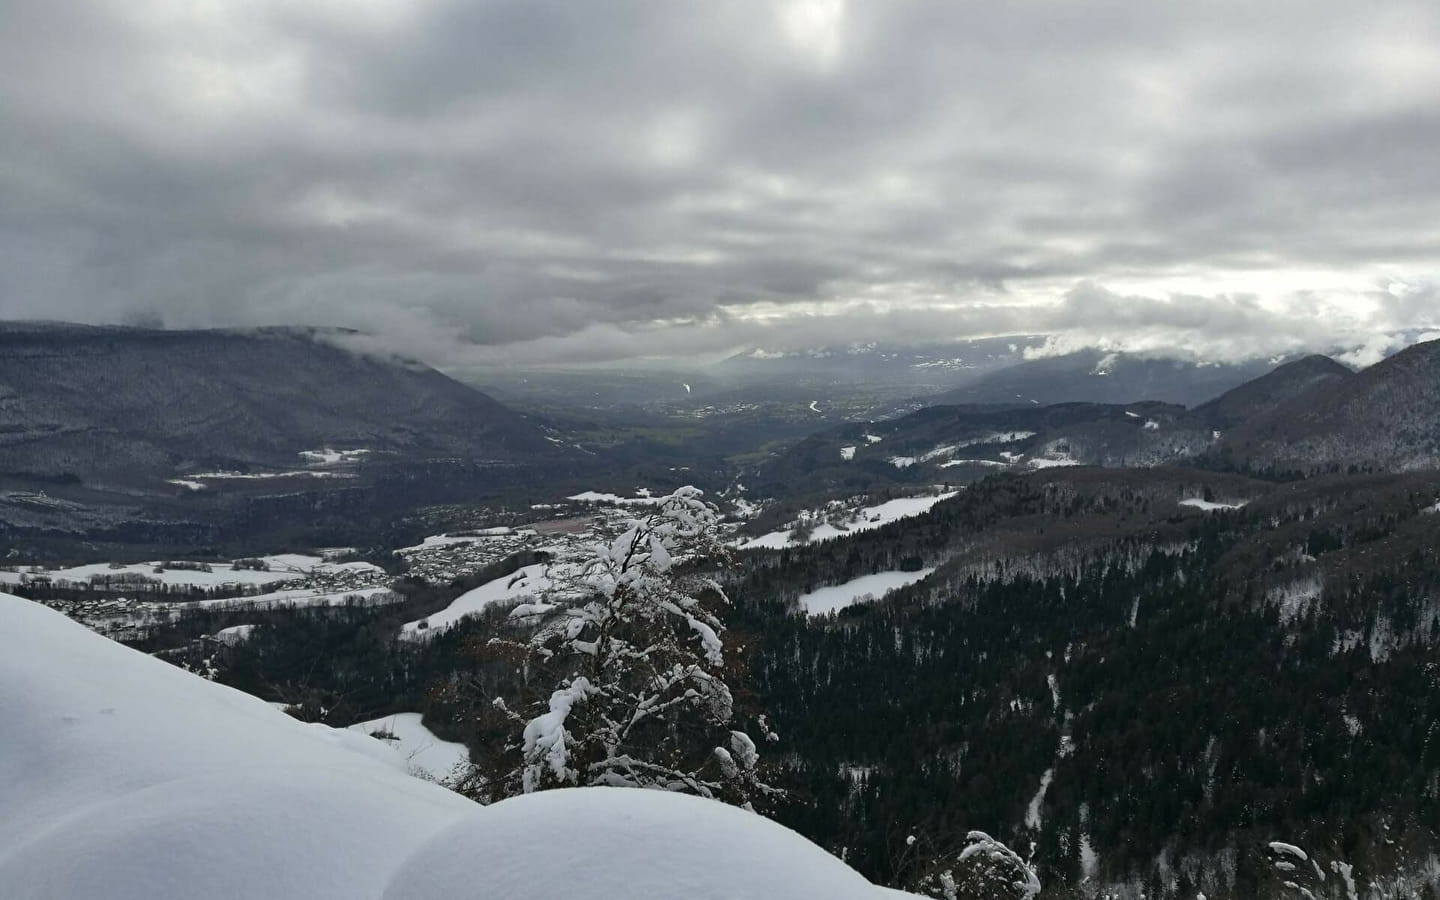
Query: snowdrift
{"type": "Point", "coordinates": [124, 778]}
{"type": "Point", "coordinates": [622, 843]}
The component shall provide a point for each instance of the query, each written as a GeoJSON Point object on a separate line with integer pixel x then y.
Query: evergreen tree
{"type": "Point", "coordinates": [631, 643]}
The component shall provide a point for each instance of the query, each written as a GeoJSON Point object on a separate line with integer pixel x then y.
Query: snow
{"type": "Point", "coordinates": [442, 540]}
{"type": "Point", "coordinates": [530, 848]}
{"type": "Point", "coordinates": [234, 634]}
{"type": "Point", "coordinates": [188, 483]}
{"type": "Point", "coordinates": [1296, 597]}
{"type": "Point", "coordinates": [1212, 505]}
{"type": "Point", "coordinates": [514, 586]}
{"type": "Point", "coordinates": [597, 497]}
{"type": "Point", "coordinates": [283, 567]}
{"type": "Point", "coordinates": [1089, 857]}
{"type": "Point", "coordinates": [744, 509]}
{"type": "Point", "coordinates": [973, 462]}
{"type": "Point", "coordinates": [847, 453]}
{"type": "Point", "coordinates": [331, 457]}
{"type": "Point", "coordinates": [425, 753]}
{"type": "Point", "coordinates": [982, 844]}
{"type": "Point", "coordinates": [129, 778]}
{"type": "Point", "coordinates": [1434, 508]}
{"type": "Point", "coordinates": [869, 517]}
{"type": "Point", "coordinates": [873, 439]}
{"type": "Point", "coordinates": [1032, 812]}
{"type": "Point", "coordinates": [941, 450]}
{"type": "Point", "coordinates": [258, 476]}
{"type": "Point", "coordinates": [1152, 425]}
{"type": "Point", "coordinates": [814, 408]}
{"type": "Point", "coordinates": [1289, 850]}
{"type": "Point", "coordinates": [125, 778]}
{"type": "Point", "coordinates": [997, 437]}
{"type": "Point", "coordinates": [1043, 463]}
{"type": "Point", "coordinates": [829, 599]}
{"type": "Point", "coordinates": [297, 597]}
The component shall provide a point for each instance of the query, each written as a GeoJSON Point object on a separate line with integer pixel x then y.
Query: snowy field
{"type": "Point", "coordinates": [522, 583]}
{"type": "Point", "coordinates": [332, 457]}
{"type": "Point", "coordinates": [235, 634]}
{"type": "Point", "coordinates": [297, 597]}
{"type": "Point", "coordinates": [829, 599]}
{"type": "Point", "coordinates": [869, 517]}
{"type": "Point", "coordinates": [450, 540]}
{"type": "Point", "coordinates": [423, 752]}
{"type": "Point", "coordinates": [1212, 505]}
{"type": "Point", "coordinates": [1041, 462]}
{"type": "Point", "coordinates": [643, 499]}
{"type": "Point", "coordinates": [282, 567]}
{"type": "Point", "coordinates": [197, 481]}
{"type": "Point", "coordinates": [125, 778]}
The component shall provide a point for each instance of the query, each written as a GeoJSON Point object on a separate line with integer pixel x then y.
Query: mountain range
{"type": "Point", "coordinates": [1307, 416]}
{"type": "Point", "coordinates": [133, 407]}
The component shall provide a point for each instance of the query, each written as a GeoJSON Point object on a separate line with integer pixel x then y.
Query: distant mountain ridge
{"type": "Point", "coordinates": [1098, 376]}
{"type": "Point", "coordinates": [1308, 416]}
{"type": "Point", "coordinates": [1270, 392]}
{"type": "Point", "coordinates": [1382, 418]}
{"type": "Point", "coordinates": [132, 405]}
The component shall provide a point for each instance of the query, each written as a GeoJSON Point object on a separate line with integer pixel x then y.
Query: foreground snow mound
{"type": "Point", "coordinates": [606, 843]}
{"type": "Point", "coordinates": [123, 777]}
{"type": "Point", "coordinates": [284, 832]}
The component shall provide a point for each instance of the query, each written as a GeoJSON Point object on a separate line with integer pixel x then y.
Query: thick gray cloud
{"type": "Point", "coordinates": [527, 180]}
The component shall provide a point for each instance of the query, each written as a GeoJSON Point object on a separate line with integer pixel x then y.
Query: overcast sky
{"type": "Point", "coordinates": [497, 181]}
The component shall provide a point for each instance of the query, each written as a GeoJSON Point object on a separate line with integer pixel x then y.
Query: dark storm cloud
{"type": "Point", "coordinates": [530, 180]}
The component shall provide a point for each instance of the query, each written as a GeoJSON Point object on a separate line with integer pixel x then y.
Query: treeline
{"type": "Point", "coordinates": [1186, 712]}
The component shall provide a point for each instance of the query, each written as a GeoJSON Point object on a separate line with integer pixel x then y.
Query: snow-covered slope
{"type": "Point", "coordinates": [526, 581]}
{"type": "Point", "coordinates": [124, 778]}
{"type": "Point", "coordinates": [425, 753]}
{"type": "Point", "coordinates": [838, 596]}
{"type": "Point", "coordinates": [862, 520]}
{"type": "Point", "coordinates": [623, 843]}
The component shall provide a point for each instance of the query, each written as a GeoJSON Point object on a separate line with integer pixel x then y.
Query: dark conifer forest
{"type": "Point", "coordinates": [1125, 690]}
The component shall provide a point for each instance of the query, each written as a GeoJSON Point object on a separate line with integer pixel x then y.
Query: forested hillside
{"type": "Point", "coordinates": [104, 405]}
{"type": "Point", "coordinates": [1136, 678]}
{"type": "Point", "coordinates": [1150, 709]}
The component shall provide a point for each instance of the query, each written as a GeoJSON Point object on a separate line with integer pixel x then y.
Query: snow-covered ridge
{"type": "Point", "coordinates": [526, 582]}
{"type": "Point", "coordinates": [124, 778]}
{"type": "Point", "coordinates": [858, 520]}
